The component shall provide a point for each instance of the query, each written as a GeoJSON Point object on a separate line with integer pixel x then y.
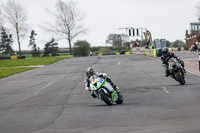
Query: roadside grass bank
{"type": "Point", "coordinates": [10, 67]}
{"type": "Point", "coordinates": [31, 61]}
{"type": "Point", "coordinates": [5, 72]}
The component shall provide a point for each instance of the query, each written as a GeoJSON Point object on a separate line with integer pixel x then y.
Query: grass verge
{"type": "Point", "coordinates": [5, 72]}
{"type": "Point", "coordinates": [10, 67]}
{"type": "Point", "coordinates": [31, 61]}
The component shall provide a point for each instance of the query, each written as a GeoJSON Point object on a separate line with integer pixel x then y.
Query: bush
{"type": "Point", "coordinates": [81, 48]}
{"type": "Point", "coordinates": [105, 50]}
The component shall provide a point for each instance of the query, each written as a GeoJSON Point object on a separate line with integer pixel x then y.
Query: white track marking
{"type": "Point", "coordinates": [165, 89]}
{"type": "Point", "coordinates": [118, 63]}
{"type": "Point", "coordinates": [62, 76]}
{"type": "Point", "coordinates": [44, 87]}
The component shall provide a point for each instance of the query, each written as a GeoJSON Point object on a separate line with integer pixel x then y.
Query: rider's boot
{"type": "Point", "coordinates": [116, 88]}
{"type": "Point", "coordinates": [167, 73]}
{"type": "Point", "coordinates": [183, 66]}
{"type": "Point", "coordinates": [184, 71]}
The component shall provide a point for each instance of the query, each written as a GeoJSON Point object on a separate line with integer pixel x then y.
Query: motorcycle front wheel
{"type": "Point", "coordinates": [180, 79]}
{"type": "Point", "coordinates": [105, 98]}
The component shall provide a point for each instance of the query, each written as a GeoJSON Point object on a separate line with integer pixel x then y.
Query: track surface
{"type": "Point", "coordinates": [52, 99]}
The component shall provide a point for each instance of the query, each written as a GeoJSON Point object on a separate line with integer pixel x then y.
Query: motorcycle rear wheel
{"type": "Point", "coordinates": [120, 99]}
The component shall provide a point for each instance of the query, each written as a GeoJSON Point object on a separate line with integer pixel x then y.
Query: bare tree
{"type": "Point", "coordinates": [15, 15]}
{"type": "Point", "coordinates": [198, 10]}
{"type": "Point", "coordinates": [1, 19]}
{"type": "Point", "coordinates": [68, 21]}
{"type": "Point", "coordinates": [117, 40]}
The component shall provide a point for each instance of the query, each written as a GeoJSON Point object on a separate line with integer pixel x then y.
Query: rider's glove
{"type": "Point", "coordinates": [102, 75]}
{"type": "Point", "coordinates": [87, 80]}
{"type": "Point", "coordinates": [93, 95]}
{"type": "Point", "coordinates": [88, 89]}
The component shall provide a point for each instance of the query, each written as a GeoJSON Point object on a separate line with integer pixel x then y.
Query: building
{"type": "Point", "coordinates": [194, 34]}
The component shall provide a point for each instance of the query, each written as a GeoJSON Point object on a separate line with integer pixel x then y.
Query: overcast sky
{"type": "Point", "coordinates": [165, 19]}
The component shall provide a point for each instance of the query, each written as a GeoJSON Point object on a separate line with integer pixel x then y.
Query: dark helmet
{"type": "Point", "coordinates": [165, 51]}
{"type": "Point", "coordinates": [89, 72]}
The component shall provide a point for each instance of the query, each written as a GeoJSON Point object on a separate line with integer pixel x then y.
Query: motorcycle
{"type": "Point", "coordinates": [176, 71]}
{"type": "Point", "coordinates": [104, 91]}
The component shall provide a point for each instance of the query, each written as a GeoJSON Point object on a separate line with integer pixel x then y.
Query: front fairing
{"type": "Point", "coordinates": [96, 82]}
{"type": "Point", "coordinates": [174, 65]}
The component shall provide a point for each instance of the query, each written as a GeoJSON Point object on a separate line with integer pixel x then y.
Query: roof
{"type": "Point", "coordinates": [194, 23]}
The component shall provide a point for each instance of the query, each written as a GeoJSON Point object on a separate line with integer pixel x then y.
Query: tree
{"type": "Point", "coordinates": [51, 48]}
{"type": "Point", "coordinates": [81, 48]}
{"type": "Point", "coordinates": [5, 42]}
{"type": "Point", "coordinates": [15, 15]}
{"type": "Point", "coordinates": [178, 43]}
{"type": "Point", "coordinates": [198, 10]}
{"type": "Point", "coordinates": [68, 21]}
{"type": "Point", "coordinates": [35, 49]}
{"type": "Point", "coordinates": [116, 40]}
{"type": "Point", "coordinates": [1, 19]}
{"type": "Point", "coordinates": [105, 50]}
{"type": "Point", "coordinates": [126, 45]}
{"type": "Point", "coordinates": [168, 43]}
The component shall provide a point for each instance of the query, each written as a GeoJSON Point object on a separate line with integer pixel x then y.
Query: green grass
{"type": "Point", "coordinates": [10, 67]}
{"type": "Point", "coordinates": [30, 55]}
{"type": "Point", "coordinates": [31, 61]}
{"type": "Point", "coordinates": [5, 72]}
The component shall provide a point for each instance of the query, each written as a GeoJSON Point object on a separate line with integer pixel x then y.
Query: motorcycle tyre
{"type": "Point", "coordinates": [120, 99]}
{"type": "Point", "coordinates": [105, 98]}
{"type": "Point", "coordinates": [180, 79]}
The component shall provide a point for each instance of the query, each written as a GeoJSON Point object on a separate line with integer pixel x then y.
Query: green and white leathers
{"type": "Point", "coordinates": [104, 91]}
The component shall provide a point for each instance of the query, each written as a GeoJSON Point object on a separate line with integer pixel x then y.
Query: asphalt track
{"type": "Point", "coordinates": [52, 99]}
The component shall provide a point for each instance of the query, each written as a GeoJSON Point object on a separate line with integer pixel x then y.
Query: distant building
{"type": "Point", "coordinates": [194, 34]}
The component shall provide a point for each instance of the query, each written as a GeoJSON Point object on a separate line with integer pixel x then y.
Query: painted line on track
{"type": "Point", "coordinates": [165, 89]}
{"type": "Point", "coordinates": [45, 87]}
{"type": "Point", "coordinates": [118, 63]}
{"type": "Point", "coordinates": [62, 76]}
{"type": "Point", "coordinates": [50, 83]}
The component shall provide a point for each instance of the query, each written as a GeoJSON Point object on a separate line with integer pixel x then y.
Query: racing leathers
{"type": "Point", "coordinates": [165, 59]}
{"type": "Point", "coordinates": [101, 75]}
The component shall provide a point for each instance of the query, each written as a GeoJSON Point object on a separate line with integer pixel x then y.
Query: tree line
{"type": "Point", "coordinates": [67, 24]}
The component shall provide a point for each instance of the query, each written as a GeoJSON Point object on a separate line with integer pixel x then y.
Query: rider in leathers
{"type": "Point", "coordinates": [89, 72]}
{"type": "Point", "coordinates": [166, 56]}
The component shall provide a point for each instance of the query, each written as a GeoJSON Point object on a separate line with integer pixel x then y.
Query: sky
{"type": "Point", "coordinates": [165, 19]}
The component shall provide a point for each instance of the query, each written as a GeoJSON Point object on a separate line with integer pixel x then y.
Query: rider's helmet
{"type": "Point", "coordinates": [165, 51]}
{"type": "Point", "coordinates": [89, 72]}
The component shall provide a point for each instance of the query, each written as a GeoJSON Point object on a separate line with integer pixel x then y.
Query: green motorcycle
{"type": "Point", "coordinates": [104, 91]}
{"type": "Point", "coordinates": [176, 71]}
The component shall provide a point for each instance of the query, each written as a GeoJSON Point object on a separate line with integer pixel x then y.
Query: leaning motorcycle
{"type": "Point", "coordinates": [177, 71]}
{"type": "Point", "coordinates": [104, 91]}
